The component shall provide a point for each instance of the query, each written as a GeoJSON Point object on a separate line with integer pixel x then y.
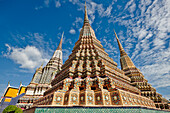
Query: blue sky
{"type": "Point", "coordinates": [30, 31]}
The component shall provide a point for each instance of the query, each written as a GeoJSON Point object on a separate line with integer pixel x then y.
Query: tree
{"type": "Point", "coordinates": [12, 109]}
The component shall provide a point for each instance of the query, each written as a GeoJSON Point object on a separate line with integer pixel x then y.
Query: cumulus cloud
{"type": "Point", "coordinates": [28, 57]}
{"type": "Point", "coordinates": [72, 31]}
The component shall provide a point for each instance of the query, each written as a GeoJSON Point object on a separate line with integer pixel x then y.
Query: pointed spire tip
{"type": "Point", "coordinates": [116, 35]}
{"type": "Point", "coordinates": [62, 34]}
{"type": "Point", "coordinates": [20, 83]}
{"type": "Point", "coordinates": [9, 83]}
{"type": "Point", "coordinates": [86, 20]}
{"type": "Point", "coordinates": [122, 52]}
{"type": "Point", "coordinates": [60, 44]}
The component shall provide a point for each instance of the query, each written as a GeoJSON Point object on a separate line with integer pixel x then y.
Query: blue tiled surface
{"type": "Point", "coordinates": [97, 110]}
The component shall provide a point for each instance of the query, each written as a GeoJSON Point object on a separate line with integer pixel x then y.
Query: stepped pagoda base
{"type": "Point", "coordinates": [90, 109]}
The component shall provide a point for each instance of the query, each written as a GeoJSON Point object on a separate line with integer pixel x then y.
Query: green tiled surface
{"type": "Point", "coordinates": [96, 110]}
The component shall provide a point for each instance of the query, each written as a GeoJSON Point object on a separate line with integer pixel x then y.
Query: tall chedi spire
{"type": "Point", "coordinates": [86, 30]}
{"type": "Point", "coordinates": [89, 77]}
{"type": "Point", "coordinates": [127, 65]}
{"type": "Point", "coordinates": [54, 64]}
{"type": "Point", "coordinates": [137, 78]}
{"type": "Point", "coordinates": [42, 78]}
{"type": "Point", "coordinates": [125, 60]}
{"type": "Point", "coordinates": [122, 51]}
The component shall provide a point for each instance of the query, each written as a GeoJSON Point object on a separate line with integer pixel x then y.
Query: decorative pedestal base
{"type": "Point", "coordinates": [80, 109]}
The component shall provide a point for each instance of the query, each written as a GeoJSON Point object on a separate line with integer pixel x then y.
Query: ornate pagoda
{"type": "Point", "coordinates": [138, 80]}
{"type": "Point", "coordinates": [42, 78]}
{"type": "Point", "coordinates": [91, 78]}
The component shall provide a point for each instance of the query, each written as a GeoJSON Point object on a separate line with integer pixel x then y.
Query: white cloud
{"type": "Point", "coordinates": [128, 4]}
{"type": "Point", "coordinates": [78, 22]}
{"type": "Point", "coordinates": [74, 1]}
{"type": "Point", "coordinates": [8, 50]}
{"type": "Point", "coordinates": [93, 7]}
{"type": "Point", "coordinates": [57, 3]}
{"type": "Point", "coordinates": [158, 42]}
{"type": "Point", "coordinates": [109, 47]}
{"type": "Point", "coordinates": [28, 57]}
{"type": "Point", "coordinates": [37, 40]}
{"type": "Point", "coordinates": [72, 31]}
{"type": "Point", "coordinates": [108, 10]}
{"type": "Point", "coordinates": [47, 3]}
{"type": "Point", "coordinates": [103, 12]}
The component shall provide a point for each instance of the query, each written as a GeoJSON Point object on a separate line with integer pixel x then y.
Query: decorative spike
{"type": "Point", "coordinates": [60, 44]}
{"type": "Point", "coordinates": [127, 62]}
{"type": "Point", "coordinates": [122, 51]}
{"type": "Point", "coordinates": [9, 83]}
{"type": "Point", "coordinates": [120, 45]}
{"type": "Point", "coordinates": [86, 20]}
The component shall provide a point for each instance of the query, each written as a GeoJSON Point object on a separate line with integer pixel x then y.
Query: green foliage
{"type": "Point", "coordinates": [19, 110]}
{"type": "Point", "coordinates": [12, 109]}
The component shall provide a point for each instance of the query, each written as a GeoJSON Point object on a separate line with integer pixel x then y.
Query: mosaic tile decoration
{"type": "Point", "coordinates": [97, 110]}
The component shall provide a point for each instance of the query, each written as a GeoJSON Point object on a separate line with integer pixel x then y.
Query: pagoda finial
{"type": "Point", "coordinates": [20, 83]}
{"type": "Point", "coordinates": [9, 83]}
{"type": "Point", "coordinates": [122, 51]}
{"type": "Point", "coordinates": [86, 20]}
{"type": "Point", "coordinates": [60, 44]}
